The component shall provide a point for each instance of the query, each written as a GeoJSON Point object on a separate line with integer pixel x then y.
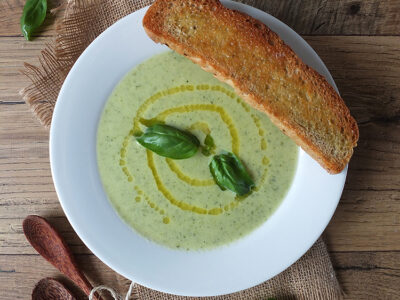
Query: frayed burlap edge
{"type": "Point", "coordinates": [37, 95]}
{"type": "Point", "coordinates": [312, 277]}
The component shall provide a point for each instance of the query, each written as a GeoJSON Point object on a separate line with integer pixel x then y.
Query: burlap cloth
{"type": "Point", "coordinates": [311, 277]}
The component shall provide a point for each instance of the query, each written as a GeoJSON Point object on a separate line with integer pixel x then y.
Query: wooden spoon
{"type": "Point", "coordinates": [51, 289]}
{"type": "Point", "coordinates": [46, 240]}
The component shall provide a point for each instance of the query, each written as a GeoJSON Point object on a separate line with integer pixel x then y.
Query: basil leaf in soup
{"type": "Point", "coordinates": [229, 173]}
{"type": "Point", "coordinates": [169, 141]}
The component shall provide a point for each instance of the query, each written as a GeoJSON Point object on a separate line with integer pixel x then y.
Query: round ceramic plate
{"type": "Point", "coordinates": [267, 251]}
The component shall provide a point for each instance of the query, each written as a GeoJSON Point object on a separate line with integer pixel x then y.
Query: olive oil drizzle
{"type": "Point", "coordinates": [206, 107]}
{"type": "Point", "coordinates": [199, 125]}
{"type": "Point", "coordinates": [150, 101]}
{"type": "Point", "coordinates": [202, 126]}
{"type": "Point", "coordinates": [141, 194]}
{"type": "Point", "coordinates": [182, 176]}
{"type": "Point", "coordinates": [265, 162]}
{"type": "Point", "coordinates": [168, 195]}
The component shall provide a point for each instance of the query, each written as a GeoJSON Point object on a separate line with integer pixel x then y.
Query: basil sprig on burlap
{"type": "Point", "coordinates": [229, 173]}
{"type": "Point", "coordinates": [33, 16]}
{"type": "Point", "coordinates": [169, 141]}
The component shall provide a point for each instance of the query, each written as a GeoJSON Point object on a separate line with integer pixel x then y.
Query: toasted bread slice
{"type": "Point", "coordinates": [263, 70]}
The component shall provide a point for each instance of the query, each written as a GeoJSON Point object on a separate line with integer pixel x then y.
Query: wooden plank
{"type": "Point", "coordinates": [368, 275]}
{"type": "Point", "coordinates": [310, 17]}
{"type": "Point", "coordinates": [14, 51]}
{"type": "Point", "coordinates": [368, 217]}
{"type": "Point", "coordinates": [363, 275]}
{"type": "Point", "coordinates": [25, 180]}
{"type": "Point", "coordinates": [367, 72]}
{"type": "Point", "coordinates": [335, 17]}
{"type": "Point", "coordinates": [13, 241]}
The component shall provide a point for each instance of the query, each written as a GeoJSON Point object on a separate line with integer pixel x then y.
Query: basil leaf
{"type": "Point", "coordinates": [33, 16]}
{"type": "Point", "coordinates": [169, 141]}
{"type": "Point", "coordinates": [229, 173]}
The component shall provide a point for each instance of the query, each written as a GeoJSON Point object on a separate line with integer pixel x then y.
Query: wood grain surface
{"type": "Point", "coordinates": [360, 43]}
{"type": "Point", "coordinates": [335, 17]}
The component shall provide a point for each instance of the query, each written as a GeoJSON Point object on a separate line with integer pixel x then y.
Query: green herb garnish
{"type": "Point", "coordinates": [169, 141]}
{"type": "Point", "coordinates": [33, 16]}
{"type": "Point", "coordinates": [209, 146]}
{"type": "Point", "coordinates": [229, 173]}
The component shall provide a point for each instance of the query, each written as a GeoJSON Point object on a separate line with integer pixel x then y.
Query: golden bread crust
{"type": "Point", "coordinates": [263, 70]}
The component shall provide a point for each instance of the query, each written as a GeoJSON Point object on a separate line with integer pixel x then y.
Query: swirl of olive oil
{"type": "Point", "coordinates": [202, 126]}
{"type": "Point", "coordinates": [174, 168]}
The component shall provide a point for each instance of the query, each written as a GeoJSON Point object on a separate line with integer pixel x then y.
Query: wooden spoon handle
{"type": "Point", "coordinates": [46, 240]}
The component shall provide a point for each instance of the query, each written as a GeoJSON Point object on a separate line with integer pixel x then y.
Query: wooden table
{"type": "Point", "coordinates": [360, 43]}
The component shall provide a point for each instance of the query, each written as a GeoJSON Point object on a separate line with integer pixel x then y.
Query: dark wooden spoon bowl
{"type": "Point", "coordinates": [46, 240]}
{"type": "Point", "coordinates": [51, 289]}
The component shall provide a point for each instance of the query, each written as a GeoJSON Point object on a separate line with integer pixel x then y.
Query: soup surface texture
{"type": "Point", "coordinates": [176, 203]}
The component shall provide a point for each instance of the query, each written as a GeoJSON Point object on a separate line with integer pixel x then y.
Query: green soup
{"type": "Point", "coordinates": [176, 202]}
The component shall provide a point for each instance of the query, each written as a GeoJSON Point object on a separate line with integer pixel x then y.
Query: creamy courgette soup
{"type": "Point", "coordinates": [176, 203]}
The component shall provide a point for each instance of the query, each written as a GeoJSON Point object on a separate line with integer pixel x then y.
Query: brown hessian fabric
{"type": "Point", "coordinates": [311, 277]}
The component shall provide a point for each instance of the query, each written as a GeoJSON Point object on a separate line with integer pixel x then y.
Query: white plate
{"type": "Point", "coordinates": [267, 251]}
